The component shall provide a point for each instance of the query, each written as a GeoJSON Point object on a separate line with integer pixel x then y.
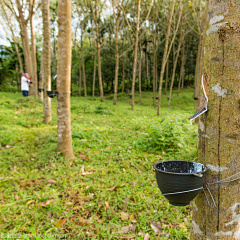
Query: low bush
{"type": "Point", "coordinates": [168, 135]}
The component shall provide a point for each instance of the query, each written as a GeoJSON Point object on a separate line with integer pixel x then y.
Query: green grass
{"type": "Point", "coordinates": [115, 145]}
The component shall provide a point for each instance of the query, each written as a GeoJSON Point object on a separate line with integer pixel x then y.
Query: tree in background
{"type": "Point", "coordinates": [63, 79]}
{"type": "Point", "coordinates": [46, 57]}
{"type": "Point", "coordinates": [23, 21]}
{"type": "Point", "coordinates": [95, 14]}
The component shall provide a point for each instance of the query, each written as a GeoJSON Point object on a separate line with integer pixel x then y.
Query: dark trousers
{"type": "Point", "coordinates": [25, 93]}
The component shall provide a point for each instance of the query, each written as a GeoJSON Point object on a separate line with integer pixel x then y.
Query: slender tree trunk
{"type": "Point", "coordinates": [166, 82]}
{"type": "Point", "coordinates": [140, 72]}
{"type": "Point", "coordinates": [5, 15]}
{"type": "Point", "coordinates": [80, 78]}
{"type": "Point", "coordinates": [175, 66]}
{"type": "Point", "coordinates": [34, 87]}
{"type": "Point", "coordinates": [123, 70]}
{"type": "Point", "coordinates": [146, 65]}
{"type": "Point", "coordinates": [99, 69]}
{"type": "Point", "coordinates": [83, 63]}
{"type": "Point", "coordinates": [197, 84]}
{"type": "Point", "coordinates": [156, 68]}
{"type": "Point", "coordinates": [25, 39]}
{"type": "Point", "coordinates": [154, 65]}
{"type": "Point", "coordinates": [18, 56]}
{"type": "Point", "coordinates": [182, 67]}
{"type": "Point", "coordinates": [219, 139]}
{"type": "Point", "coordinates": [40, 94]}
{"type": "Point", "coordinates": [200, 65]}
{"type": "Point", "coordinates": [98, 49]}
{"type": "Point", "coordinates": [46, 73]}
{"type": "Point", "coordinates": [94, 74]}
{"type": "Point", "coordinates": [116, 63]}
{"type": "Point", "coordinates": [164, 57]}
{"type": "Point", "coordinates": [64, 78]}
{"type": "Point", "coordinates": [135, 53]}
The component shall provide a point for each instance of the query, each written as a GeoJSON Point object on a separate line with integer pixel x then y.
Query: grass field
{"type": "Point", "coordinates": [108, 191]}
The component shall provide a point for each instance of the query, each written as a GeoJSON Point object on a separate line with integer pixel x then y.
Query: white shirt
{"type": "Point", "coordinates": [24, 84]}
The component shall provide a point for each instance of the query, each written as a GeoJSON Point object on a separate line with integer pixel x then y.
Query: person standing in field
{"type": "Point", "coordinates": [25, 81]}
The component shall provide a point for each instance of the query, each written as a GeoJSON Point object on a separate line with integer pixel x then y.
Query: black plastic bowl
{"type": "Point", "coordinates": [52, 94]}
{"type": "Point", "coordinates": [40, 89]}
{"type": "Point", "coordinates": [179, 176]}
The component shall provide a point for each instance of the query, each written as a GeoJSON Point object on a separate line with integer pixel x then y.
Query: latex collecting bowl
{"type": "Point", "coordinates": [180, 181]}
{"type": "Point", "coordinates": [52, 94]}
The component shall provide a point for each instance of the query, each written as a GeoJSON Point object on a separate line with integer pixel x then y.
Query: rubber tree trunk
{"type": "Point", "coordinates": [182, 67]}
{"type": "Point", "coordinates": [175, 66]}
{"type": "Point", "coordinates": [116, 62]}
{"type": "Point", "coordinates": [135, 53]}
{"type": "Point", "coordinates": [200, 65]}
{"type": "Point", "coordinates": [219, 138]}
{"type": "Point", "coordinates": [166, 82]}
{"type": "Point", "coordinates": [18, 56]}
{"type": "Point", "coordinates": [46, 73]}
{"type": "Point", "coordinates": [34, 86]}
{"type": "Point", "coordinates": [94, 74]}
{"type": "Point", "coordinates": [40, 84]}
{"type": "Point", "coordinates": [94, 11]}
{"type": "Point", "coordinates": [197, 79]}
{"type": "Point", "coordinates": [80, 78]}
{"type": "Point", "coordinates": [154, 65]}
{"type": "Point", "coordinates": [164, 57]}
{"type": "Point", "coordinates": [5, 15]}
{"type": "Point", "coordinates": [140, 72]}
{"type": "Point", "coordinates": [25, 40]}
{"type": "Point", "coordinates": [123, 70]}
{"type": "Point", "coordinates": [64, 78]}
{"type": "Point", "coordinates": [83, 63]}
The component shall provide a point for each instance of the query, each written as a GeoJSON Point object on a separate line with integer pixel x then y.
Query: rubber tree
{"type": "Point", "coordinates": [64, 78]}
{"type": "Point", "coordinates": [164, 60]}
{"type": "Point", "coordinates": [116, 17]}
{"type": "Point", "coordinates": [8, 21]}
{"type": "Point", "coordinates": [219, 138]}
{"type": "Point", "coordinates": [95, 14]}
{"type": "Point", "coordinates": [34, 88]}
{"type": "Point", "coordinates": [46, 64]}
{"type": "Point", "coordinates": [19, 13]}
{"type": "Point", "coordinates": [83, 61]}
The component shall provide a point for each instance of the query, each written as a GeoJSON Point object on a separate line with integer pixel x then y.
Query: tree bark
{"type": "Point", "coordinates": [197, 83]}
{"type": "Point", "coordinates": [116, 16]}
{"type": "Point", "coordinates": [83, 64]}
{"type": "Point", "coordinates": [164, 57]}
{"type": "Point", "coordinates": [40, 94]}
{"type": "Point", "coordinates": [25, 40]}
{"type": "Point", "coordinates": [46, 73]}
{"type": "Point", "coordinates": [34, 87]}
{"type": "Point", "coordinates": [64, 78]}
{"type": "Point", "coordinates": [166, 82]}
{"type": "Point", "coordinates": [140, 72]}
{"type": "Point", "coordinates": [123, 70]}
{"type": "Point", "coordinates": [182, 67]}
{"type": "Point", "coordinates": [154, 65]}
{"type": "Point", "coordinates": [200, 65]}
{"type": "Point", "coordinates": [94, 74]}
{"type": "Point", "coordinates": [80, 78]}
{"type": "Point", "coordinates": [175, 66]}
{"type": "Point", "coordinates": [219, 139]}
{"type": "Point", "coordinates": [94, 12]}
{"type": "Point", "coordinates": [135, 53]}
